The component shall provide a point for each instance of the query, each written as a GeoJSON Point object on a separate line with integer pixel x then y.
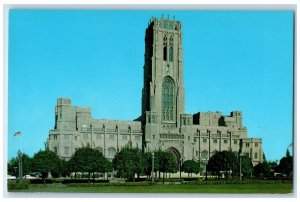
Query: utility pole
{"type": "Point", "coordinates": [206, 168]}
{"type": "Point", "coordinates": [152, 167]}
{"type": "Point", "coordinates": [180, 167]}
{"type": "Point", "coordinates": [241, 155]}
{"type": "Point", "coordinates": [20, 166]}
{"type": "Point", "coordinates": [17, 134]}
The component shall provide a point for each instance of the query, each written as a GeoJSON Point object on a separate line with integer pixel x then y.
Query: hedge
{"type": "Point", "coordinates": [236, 181]}
{"type": "Point", "coordinates": [169, 180]}
{"type": "Point", "coordinates": [68, 181]}
{"type": "Point", "coordinates": [17, 186]}
{"type": "Point", "coordinates": [144, 183]}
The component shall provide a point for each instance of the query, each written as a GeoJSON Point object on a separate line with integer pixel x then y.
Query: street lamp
{"type": "Point", "coordinates": [152, 167]}
{"type": "Point", "coordinates": [180, 167]}
{"type": "Point", "coordinates": [241, 155]}
{"type": "Point", "coordinates": [206, 162]}
{"type": "Point", "coordinates": [15, 168]}
{"type": "Point", "coordinates": [20, 166]}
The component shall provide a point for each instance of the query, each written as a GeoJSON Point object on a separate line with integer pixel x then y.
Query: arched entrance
{"type": "Point", "coordinates": [176, 153]}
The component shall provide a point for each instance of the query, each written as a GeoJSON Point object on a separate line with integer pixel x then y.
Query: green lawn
{"type": "Point", "coordinates": [179, 188]}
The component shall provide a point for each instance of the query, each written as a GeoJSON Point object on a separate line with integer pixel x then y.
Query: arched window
{"type": "Point", "coordinates": [171, 49]}
{"type": "Point", "coordinates": [165, 44]}
{"type": "Point", "coordinates": [171, 54]}
{"type": "Point", "coordinates": [168, 99]}
{"type": "Point", "coordinates": [204, 154]}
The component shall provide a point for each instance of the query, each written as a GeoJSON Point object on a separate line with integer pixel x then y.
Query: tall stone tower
{"type": "Point", "coordinates": [163, 91]}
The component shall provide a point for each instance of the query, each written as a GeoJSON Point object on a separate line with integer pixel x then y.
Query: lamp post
{"type": "Point", "coordinates": [180, 167]}
{"type": "Point", "coordinates": [152, 167]}
{"type": "Point", "coordinates": [15, 168]}
{"type": "Point", "coordinates": [20, 166]}
{"type": "Point", "coordinates": [241, 155]}
{"type": "Point", "coordinates": [206, 162]}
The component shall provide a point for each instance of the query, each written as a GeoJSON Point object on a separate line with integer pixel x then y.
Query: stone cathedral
{"type": "Point", "coordinates": [163, 123]}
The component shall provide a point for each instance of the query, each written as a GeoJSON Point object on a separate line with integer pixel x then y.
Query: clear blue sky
{"type": "Point", "coordinates": [234, 60]}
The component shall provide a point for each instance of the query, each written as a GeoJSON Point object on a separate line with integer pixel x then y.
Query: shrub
{"type": "Point", "coordinates": [41, 181]}
{"type": "Point", "coordinates": [145, 183]}
{"type": "Point", "coordinates": [170, 180]}
{"type": "Point", "coordinates": [190, 179]}
{"type": "Point", "coordinates": [82, 181]}
{"type": "Point", "coordinates": [48, 181]}
{"type": "Point", "coordinates": [17, 186]}
{"type": "Point", "coordinates": [139, 180]}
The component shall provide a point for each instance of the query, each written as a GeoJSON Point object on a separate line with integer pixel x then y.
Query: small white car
{"type": "Point", "coordinates": [9, 177]}
{"type": "Point", "coordinates": [29, 177]}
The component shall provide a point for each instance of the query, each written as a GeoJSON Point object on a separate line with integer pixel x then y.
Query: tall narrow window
{"type": "Point", "coordinates": [171, 49]}
{"type": "Point", "coordinates": [66, 151]}
{"type": "Point", "coordinates": [165, 48]}
{"type": "Point", "coordinates": [168, 99]}
{"type": "Point", "coordinates": [55, 150]}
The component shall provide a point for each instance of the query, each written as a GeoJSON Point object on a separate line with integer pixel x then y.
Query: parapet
{"type": "Point", "coordinates": [217, 119]}
{"type": "Point", "coordinates": [64, 101]}
{"type": "Point", "coordinates": [80, 110]}
{"type": "Point", "coordinates": [236, 114]}
{"type": "Point", "coordinates": [165, 23]}
{"type": "Point", "coordinates": [207, 118]}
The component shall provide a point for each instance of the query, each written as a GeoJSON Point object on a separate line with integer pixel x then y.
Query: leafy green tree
{"type": "Point", "coordinates": [157, 156]}
{"type": "Point", "coordinates": [65, 169]}
{"type": "Point", "coordinates": [129, 161]}
{"type": "Point", "coordinates": [107, 166]}
{"type": "Point", "coordinates": [157, 161]}
{"type": "Point", "coordinates": [88, 160]}
{"type": "Point", "coordinates": [264, 157]}
{"type": "Point", "coordinates": [288, 154]}
{"type": "Point", "coordinates": [262, 170]}
{"type": "Point", "coordinates": [191, 166]}
{"type": "Point", "coordinates": [148, 158]}
{"type": "Point", "coordinates": [247, 166]}
{"type": "Point", "coordinates": [45, 162]}
{"type": "Point", "coordinates": [286, 164]}
{"type": "Point", "coordinates": [273, 167]}
{"type": "Point", "coordinates": [167, 163]}
{"type": "Point", "coordinates": [13, 165]}
{"type": "Point", "coordinates": [226, 161]}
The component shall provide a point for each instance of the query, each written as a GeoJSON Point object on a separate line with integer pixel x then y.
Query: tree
{"type": "Point", "coordinates": [13, 165]}
{"type": "Point", "coordinates": [264, 157]}
{"type": "Point", "coordinates": [287, 154]}
{"type": "Point", "coordinates": [88, 160]}
{"type": "Point", "coordinates": [247, 166]}
{"type": "Point", "coordinates": [273, 167]}
{"type": "Point", "coordinates": [65, 170]}
{"type": "Point", "coordinates": [166, 163]}
{"type": "Point", "coordinates": [262, 170]}
{"type": "Point", "coordinates": [45, 162]}
{"type": "Point", "coordinates": [128, 162]}
{"type": "Point", "coordinates": [225, 161]}
{"type": "Point", "coordinates": [157, 156]}
{"type": "Point", "coordinates": [157, 161]}
{"type": "Point", "coordinates": [107, 166]}
{"type": "Point", "coordinates": [286, 164]}
{"type": "Point", "coordinates": [191, 166]}
{"type": "Point", "coordinates": [148, 158]}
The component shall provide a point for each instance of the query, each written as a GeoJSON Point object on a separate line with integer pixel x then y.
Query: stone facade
{"type": "Point", "coordinates": [163, 123]}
